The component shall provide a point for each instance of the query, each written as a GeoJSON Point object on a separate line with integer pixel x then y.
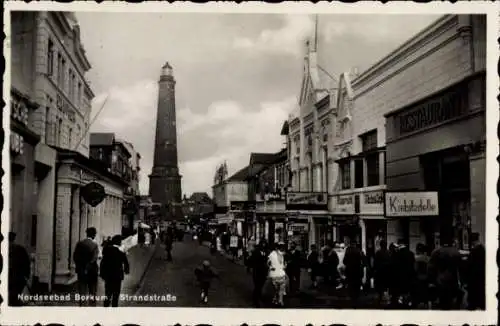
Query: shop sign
{"type": "Point", "coordinates": [298, 227]}
{"type": "Point", "coordinates": [223, 218]}
{"type": "Point", "coordinates": [93, 193]}
{"type": "Point", "coordinates": [243, 205]}
{"type": "Point", "coordinates": [372, 203]}
{"type": "Point", "coordinates": [343, 204]}
{"type": "Point", "coordinates": [307, 200]}
{"type": "Point", "coordinates": [415, 203]}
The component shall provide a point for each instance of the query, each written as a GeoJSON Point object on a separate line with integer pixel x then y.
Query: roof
{"type": "Point", "coordinates": [241, 175]}
{"type": "Point", "coordinates": [262, 158]}
{"type": "Point", "coordinates": [200, 197]}
{"type": "Point", "coordinates": [167, 65]}
{"type": "Point", "coordinates": [102, 139]}
{"type": "Point", "coordinates": [285, 128]}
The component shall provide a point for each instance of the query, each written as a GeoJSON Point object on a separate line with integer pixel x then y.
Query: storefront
{"type": "Point", "coordinates": [372, 219]}
{"type": "Point", "coordinates": [437, 146]}
{"type": "Point", "coordinates": [313, 208]}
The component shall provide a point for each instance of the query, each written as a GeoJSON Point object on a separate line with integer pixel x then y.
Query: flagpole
{"type": "Point", "coordinates": [91, 122]}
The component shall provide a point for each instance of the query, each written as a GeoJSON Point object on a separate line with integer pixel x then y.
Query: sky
{"type": "Point", "coordinates": [238, 77]}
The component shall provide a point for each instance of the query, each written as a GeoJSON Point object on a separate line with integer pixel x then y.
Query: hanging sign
{"type": "Point", "coordinates": [93, 193]}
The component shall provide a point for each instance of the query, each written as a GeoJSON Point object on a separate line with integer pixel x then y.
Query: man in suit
{"type": "Point", "coordinates": [85, 258]}
{"type": "Point", "coordinates": [114, 266]}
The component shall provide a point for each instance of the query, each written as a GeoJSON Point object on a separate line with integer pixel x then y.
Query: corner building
{"type": "Point", "coordinates": [411, 127]}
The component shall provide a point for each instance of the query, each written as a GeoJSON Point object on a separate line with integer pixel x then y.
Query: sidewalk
{"type": "Point", "coordinates": [139, 258]}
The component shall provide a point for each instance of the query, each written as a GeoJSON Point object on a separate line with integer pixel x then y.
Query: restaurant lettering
{"type": "Point", "coordinates": [374, 198]}
{"type": "Point", "coordinates": [345, 200]}
{"type": "Point", "coordinates": [296, 199]}
{"type": "Point", "coordinates": [433, 112]}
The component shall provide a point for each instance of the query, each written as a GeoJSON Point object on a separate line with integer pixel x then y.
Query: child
{"type": "Point", "coordinates": [204, 275]}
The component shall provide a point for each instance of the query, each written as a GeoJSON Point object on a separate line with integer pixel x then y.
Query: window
{"type": "Point", "coordinates": [325, 169]}
{"type": "Point", "coordinates": [62, 73]}
{"type": "Point", "coordinates": [59, 130]}
{"type": "Point", "coordinates": [79, 95]}
{"type": "Point", "coordinates": [70, 138]}
{"type": "Point", "coordinates": [71, 90]}
{"type": "Point", "coordinates": [345, 171]}
{"type": "Point", "coordinates": [369, 141]}
{"type": "Point", "coordinates": [48, 130]}
{"type": "Point", "coordinates": [373, 169]}
{"type": "Point", "coordinates": [310, 171]}
{"type": "Point", "coordinates": [358, 174]}
{"type": "Point", "coordinates": [50, 58]}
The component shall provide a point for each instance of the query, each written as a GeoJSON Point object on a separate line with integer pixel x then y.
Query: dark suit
{"type": "Point", "coordinates": [19, 272]}
{"type": "Point", "coordinates": [114, 266]}
{"type": "Point", "coordinates": [85, 258]}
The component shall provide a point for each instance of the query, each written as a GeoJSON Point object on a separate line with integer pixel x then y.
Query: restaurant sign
{"type": "Point", "coordinates": [307, 200]}
{"type": "Point", "coordinates": [414, 203]}
{"type": "Point", "coordinates": [343, 204]}
{"type": "Point", "coordinates": [372, 203]}
{"type": "Point", "coordinates": [243, 205]}
{"type": "Point", "coordinates": [93, 193]}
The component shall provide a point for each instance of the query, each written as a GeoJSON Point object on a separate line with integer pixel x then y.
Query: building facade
{"type": "Point", "coordinates": [381, 143]}
{"type": "Point", "coordinates": [310, 131]}
{"type": "Point", "coordinates": [165, 180]}
{"type": "Point", "coordinates": [48, 67]}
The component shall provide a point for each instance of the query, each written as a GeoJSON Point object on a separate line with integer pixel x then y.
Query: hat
{"type": "Point", "coordinates": [206, 263]}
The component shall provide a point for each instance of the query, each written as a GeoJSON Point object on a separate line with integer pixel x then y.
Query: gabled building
{"type": "Point", "coordinates": [310, 130]}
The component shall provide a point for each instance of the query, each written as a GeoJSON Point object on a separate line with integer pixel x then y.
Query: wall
{"type": "Point", "coordinates": [436, 62]}
{"type": "Point", "coordinates": [22, 52]}
{"type": "Point", "coordinates": [236, 191]}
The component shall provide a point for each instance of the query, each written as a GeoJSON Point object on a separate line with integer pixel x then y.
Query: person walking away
{"type": "Point", "coordinates": [325, 250]}
{"type": "Point", "coordinates": [85, 259]}
{"type": "Point", "coordinates": [114, 267]}
{"type": "Point", "coordinates": [382, 270]}
{"type": "Point", "coordinates": [294, 264]}
{"type": "Point", "coordinates": [421, 289]}
{"type": "Point", "coordinates": [476, 274]}
{"type": "Point", "coordinates": [277, 274]}
{"type": "Point", "coordinates": [204, 275]}
{"type": "Point", "coordinates": [313, 265]}
{"type": "Point", "coordinates": [353, 261]}
{"type": "Point", "coordinates": [257, 263]}
{"type": "Point", "coordinates": [168, 245]}
{"type": "Point", "coordinates": [213, 244]}
{"type": "Point", "coordinates": [443, 270]}
{"type": "Point", "coordinates": [404, 275]}
{"type": "Point", "coordinates": [332, 265]}
{"type": "Point", "coordinates": [233, 246]}
{"type": "Point", "coordinates": [141, 238]}
{"type": "Point", "coordinates": [19, 270]}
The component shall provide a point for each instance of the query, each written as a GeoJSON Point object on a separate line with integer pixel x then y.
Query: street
{"type": "Point", "coordinates": [232, 290]}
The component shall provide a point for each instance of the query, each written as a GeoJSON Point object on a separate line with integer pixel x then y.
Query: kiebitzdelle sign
{"type": "Point", "coordinates": [417, 203]}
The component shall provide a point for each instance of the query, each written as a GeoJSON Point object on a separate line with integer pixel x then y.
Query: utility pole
{"type": "Point", "coordinates": [91, 122]}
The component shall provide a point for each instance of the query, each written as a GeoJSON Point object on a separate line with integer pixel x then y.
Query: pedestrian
{"type": "Point", "coordinates": [476, 274]}
{"type": "Point", "coordinates": [85, 258]}
{"type": "Point", "coordinates": [421, 289]}
{"type": "Point", "coordinates": [353, 261]}
{"type": "Point", "coordinates": [332, 264]}
{"type": "Point", "coordinates": [444, 265]}
{"type": "Point", "coordinates": [277, 274]}
{"type": "Point", "coordinates": [294, 264]}
{"type": "Point", "coordinates": [403, 276]}
{"type": "Point", "coordinates": [325, 251]}
{"type": "Point", "coordinates": [204, 275]}
{"type": "Point", "coordinates": [19, 270]}
{"type": "Point", "coordinates": [382, 270]}
{"type": "Point", "coordinates": [257, 264]}
{"type": "Point", "coordinates": [168, 245]}
{"type": "Point", "coordinates": [141, 237]}
{"type": "Point", "coordinates": [313, 265]}
{"type": "Point", "coordinates": [114, 267]}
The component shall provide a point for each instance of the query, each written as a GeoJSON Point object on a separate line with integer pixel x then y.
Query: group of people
{"type": "Point", "coordinates": [276, 264]}
{"type": "Point", "coordinates": [113, 267]}
{"type": "Point", "coordinates": [443, 279]}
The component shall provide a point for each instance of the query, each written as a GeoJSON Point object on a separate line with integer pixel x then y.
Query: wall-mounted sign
{"type": "Point", "coordinates": [93, 193]}
{"type": "Point", "coordinates": [242, 205]}
{"type": "Point", "coordinates": [372, 203]}
{"type": "Point", "coordinates": [307, 200]}
{"type": "Point", "coordinates": [298, 227]}
{"type": "Point", "coordinates": [343, 204]}
{"type": "Point", "coordinates": [415, 203]}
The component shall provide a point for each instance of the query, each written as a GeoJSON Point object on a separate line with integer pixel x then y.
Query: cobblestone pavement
{"type": "Point", "coordinates": [232, 290]}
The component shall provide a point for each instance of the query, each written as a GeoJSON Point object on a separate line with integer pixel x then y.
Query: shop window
{"type": "Point", "coordinates": [358, 174]}
{"type": "Point", "coordinates": [373, 169]}
{"type": "Point", "coordinates": [345, 172]}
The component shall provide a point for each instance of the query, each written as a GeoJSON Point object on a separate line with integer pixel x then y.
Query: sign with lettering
{"type": "Point", "coordinates": [243, 205]}
{"type": "Point", "coordinates": [343, 204]}
{"type": "Point", "coordinates": [307, 200]}
{"type": "Point", "coordinates": [431, 112]}
{"type": "Point", "coordinates": [416, 203]}
{"type": "Point", "coordinates": [372, 203]}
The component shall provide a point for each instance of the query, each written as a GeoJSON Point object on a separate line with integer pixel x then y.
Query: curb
{"type": "Point", "coordinates": [148, 264]}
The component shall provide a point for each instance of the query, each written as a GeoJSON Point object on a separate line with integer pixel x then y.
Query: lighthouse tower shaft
{"type": "Point", "coordinates": [165, 180]}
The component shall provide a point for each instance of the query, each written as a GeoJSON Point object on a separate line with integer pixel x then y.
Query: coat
{"type": "Point", "coordinates": [114, 264]}
{"type": "Point", "coordinates": [257, 262]}
{"type": "Point", "coordinates": [85, 258]}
